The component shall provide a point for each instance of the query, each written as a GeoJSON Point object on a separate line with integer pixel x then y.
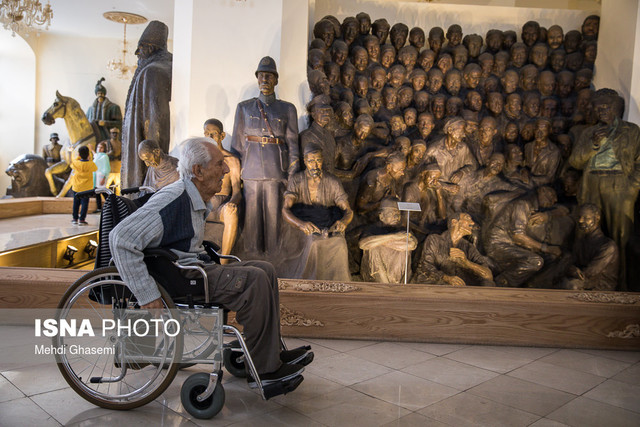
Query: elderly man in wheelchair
{"type": "Point", "coordinates": [173, 219]}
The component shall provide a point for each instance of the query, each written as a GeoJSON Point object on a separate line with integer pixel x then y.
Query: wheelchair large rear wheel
{"type": "Point", "coordinates": [135, 365]}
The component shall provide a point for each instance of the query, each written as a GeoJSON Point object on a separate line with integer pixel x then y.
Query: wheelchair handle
{"type": "Point", "coordinates": [104, 190]}
{"type": "Point", "coordinates": [86, 194]}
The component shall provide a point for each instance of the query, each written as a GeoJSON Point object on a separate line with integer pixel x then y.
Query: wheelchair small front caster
{"type": "Point", "coordinates": [195, 385]}
{"type": "Point", "coordinates": [234, 362]}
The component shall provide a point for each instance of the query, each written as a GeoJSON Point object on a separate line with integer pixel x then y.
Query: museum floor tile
{"type": "Point", "coordinates": [366, 383]}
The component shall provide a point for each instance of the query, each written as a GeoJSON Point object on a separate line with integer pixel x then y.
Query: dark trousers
{"type": "Point", "coordinates": [250, 288]}
{"type": "Point", "coordinates": [99, 201]}
{"type": "Point", "coordinates": [517, 264]}
{"type": "Point", "coordinates": [263, 213]}
{"type": "Point", "coordinates": [81, 205]}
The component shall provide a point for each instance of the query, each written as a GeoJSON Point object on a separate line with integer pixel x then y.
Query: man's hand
{"type": "Point", "coordinates": [456, 177]}
{"type": "Point", "coordinates": [453, 280]}
{"type": "Point", "coordinates": [554, 250]}
{"type": "Point", "coordinates": [598, 136]}
{"type": "Point", "coordinates": [309, 228]}
{"type": "Point", "coordinates": [451, 188]}
{"type": "Point", "coordinates": [457, 255]}
{"type": "Point", "coordinates": [338, 227]}
{"type": "Point", "coordinates": [539, 218]}
{"type": "Point", "coordinates": [153, 304]}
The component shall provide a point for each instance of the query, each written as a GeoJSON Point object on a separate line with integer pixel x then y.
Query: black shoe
{"type": "Point", "coordinates": [284, 373]}
{"type": "Point", "coordinates": [296, 356]}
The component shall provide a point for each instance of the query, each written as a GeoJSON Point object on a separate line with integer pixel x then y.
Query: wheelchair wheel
{"type": "Point", "coordinates": [234, 363]}
{"type": "Point", "coordinates": [128, 371]}
{"type": "Point", "coordinates": [199, 342]}
{"type": "Point", "coordinates": [195, 385]}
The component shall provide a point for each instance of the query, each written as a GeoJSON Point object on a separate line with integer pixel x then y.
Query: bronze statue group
{"type": "Point", "coordinates": [526, 175]}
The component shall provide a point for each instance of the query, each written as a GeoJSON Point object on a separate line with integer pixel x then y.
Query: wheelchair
{"type": "Point", "coordinates": [127, 362]}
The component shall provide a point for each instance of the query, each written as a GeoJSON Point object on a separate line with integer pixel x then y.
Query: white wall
{"type": "Point", "coordinates": [215, 69]}
{"type": "Point", "coordinates": [472, 18]}
{"type": "Point", "coordinates": [72, 66]}
{"type": "Point", "coordinates": [617, 56]}
{"type": "Point", "coordinates": [218, 46]}
{"type": "Point", "coordinates": [634, 108]}
{"type": "Point", "coordinates": [293, 55]}
{"type": "Point", "coordinates": [18, 94]}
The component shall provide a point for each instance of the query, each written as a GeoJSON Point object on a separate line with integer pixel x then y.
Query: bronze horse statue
{"type": "Point", "coordinates": [80, 131]}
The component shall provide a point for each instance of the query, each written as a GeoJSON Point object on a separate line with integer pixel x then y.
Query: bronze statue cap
{"type": "Point", "coordinates": [53, 135]}
{"type": "Point", "coordinates": [389, 203]}
{"type": "Point", "coordinates": [312, 147]}
{"type": "Point", "coordinates": [114, 130]}
{"type": "Point", "coordinates": [320, 101]}
{"type": "Point", "coordinates": [267, 65]}
{"type": "Point", "coordinates": [419, 142]}
{"type": "Point", "coordinates": [452, 121]}
{"type": "Point", "coordinates": [155, 34]}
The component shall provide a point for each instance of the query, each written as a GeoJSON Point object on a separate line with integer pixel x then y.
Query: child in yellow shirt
{"type": "Point", "coordinates": [81, 179]}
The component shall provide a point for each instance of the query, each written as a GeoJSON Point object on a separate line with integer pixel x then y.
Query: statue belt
{"type": "Point", "coordinates": [264, 139]}
{"type": "Point", "coordinates": [603, 172]}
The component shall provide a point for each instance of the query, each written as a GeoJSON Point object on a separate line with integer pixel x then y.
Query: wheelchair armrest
{"type": "Point", "coordinates": [209, 245]}
{"type": "Point", "coordinates": [233, 257]}
{"type": "Point", "coordinates": [160, 252]}
{"type": "Point", "coordinates": [212, 250]}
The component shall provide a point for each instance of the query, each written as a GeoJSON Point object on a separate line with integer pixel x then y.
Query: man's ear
{"type": "Point", "coordinates": [223, 135]}
{"type": "Point", "coordinates": [197, 172]}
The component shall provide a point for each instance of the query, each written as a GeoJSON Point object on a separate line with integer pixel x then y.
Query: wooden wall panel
{"type": "Point", "coordinates": [460, 315]}
{"type": "Point", "coordinates": [439, 314]}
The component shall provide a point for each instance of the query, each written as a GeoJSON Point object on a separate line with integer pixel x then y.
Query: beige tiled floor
{"type": "Point", "coordinates": [28, 230]}
{"type": "Point", "coordinates": [365, 383]}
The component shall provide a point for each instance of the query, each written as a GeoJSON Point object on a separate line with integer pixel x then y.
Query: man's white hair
{"type": "Point", "coordinates": [193, 151]}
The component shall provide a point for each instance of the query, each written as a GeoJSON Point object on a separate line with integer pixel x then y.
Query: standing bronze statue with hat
{"type": "Point", "coordinates": [51, 152]}
{"type": "Point", "coordinates": [265, 139]}
{"type": "Point", "coordinates": [147, 107]}
{"type": "Point", "coordinates": [103, 113]}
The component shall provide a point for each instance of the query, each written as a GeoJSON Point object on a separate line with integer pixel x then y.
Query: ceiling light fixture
{"type": "Point", "coordinates": [21, 16]}
{"type": "Point", "coordinates": [120, 66]}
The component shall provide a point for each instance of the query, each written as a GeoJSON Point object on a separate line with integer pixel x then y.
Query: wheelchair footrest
{"type": "Point", "coordinates": [282, 387]}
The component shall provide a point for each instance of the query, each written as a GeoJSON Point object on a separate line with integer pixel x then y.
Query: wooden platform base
{"type": "Point", "coordinates": [11, 208]}
{"type": "Point", "coordinates": [438, 314]}
{"type": "Point", "coordinates": [470, 315]}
